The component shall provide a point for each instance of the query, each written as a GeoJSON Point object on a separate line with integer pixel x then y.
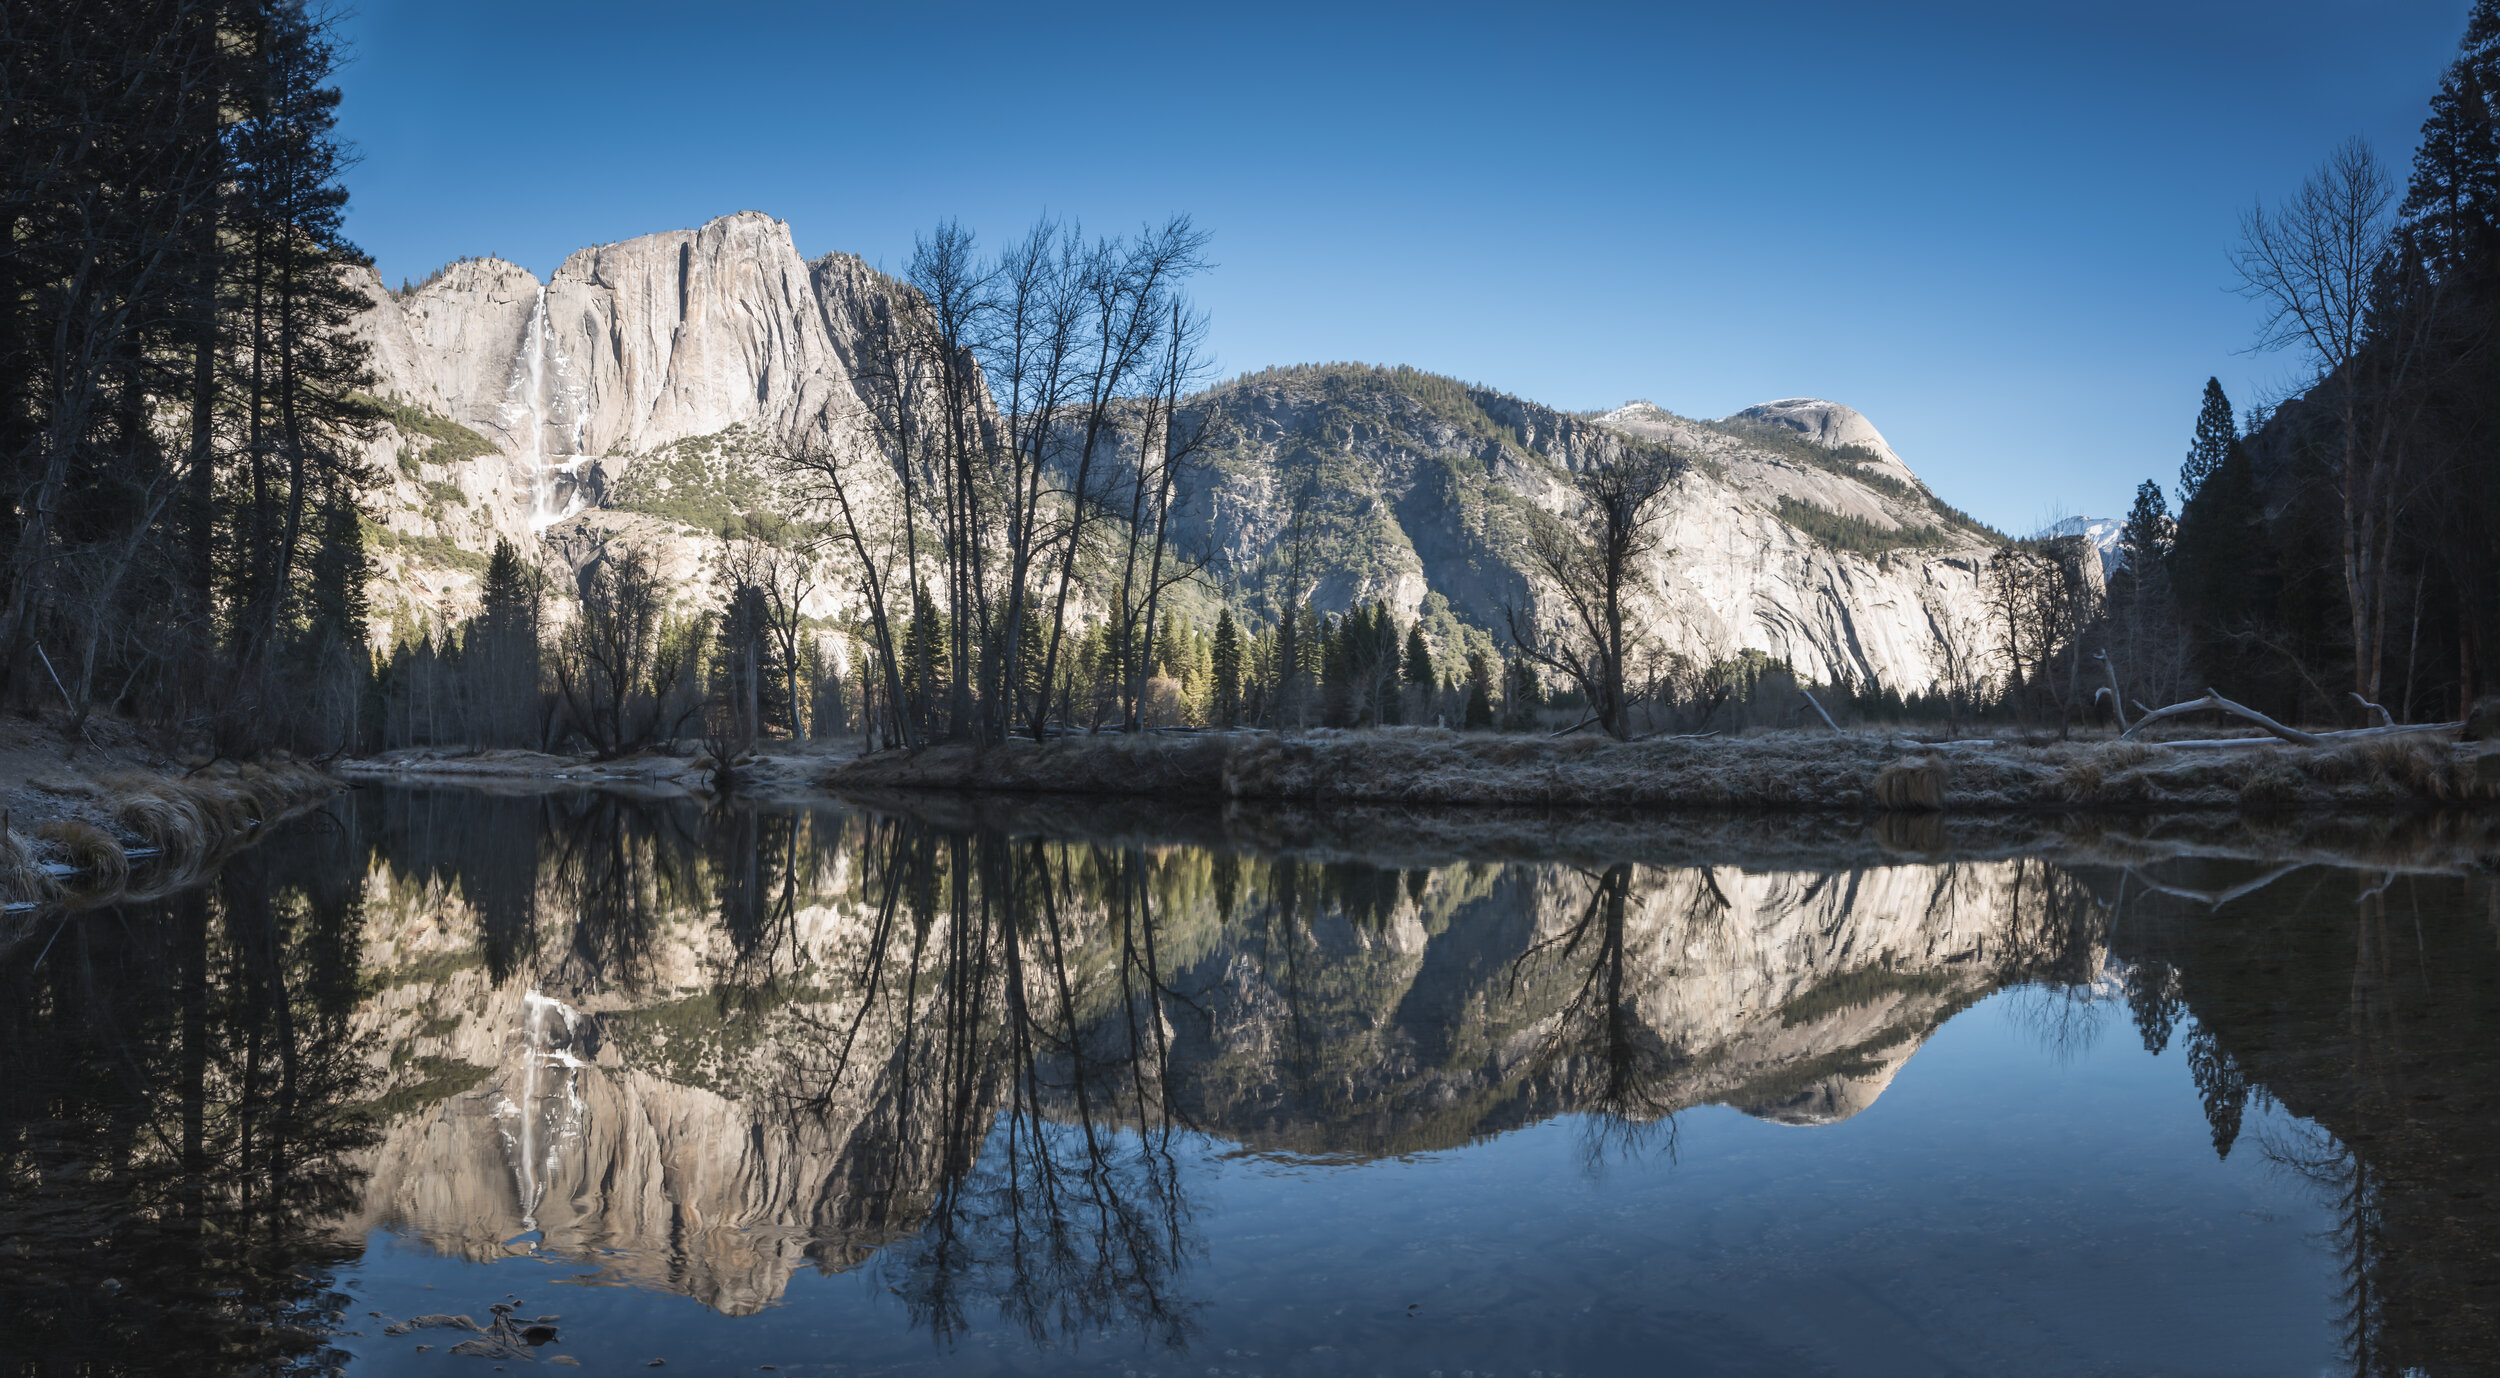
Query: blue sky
{"type": "Point", "coordinates": [2000, 230]}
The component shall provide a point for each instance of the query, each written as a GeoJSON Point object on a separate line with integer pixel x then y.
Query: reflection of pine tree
{"type": "Point", "coordinates": [2153, 997]}
{"type": "Point", "coordinates": [2220, 1084]}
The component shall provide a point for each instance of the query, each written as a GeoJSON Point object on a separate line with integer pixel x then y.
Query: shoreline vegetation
{"type": "Point", "coordinates": [1885, 772]}
{"type": "Point", "coordinates": [133, 832]}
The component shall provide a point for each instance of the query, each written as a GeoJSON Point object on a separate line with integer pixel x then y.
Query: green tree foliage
{"type": "Point", "coordinates": [502, 652]}
{"type": "Point", "coordinates": [2351, 537]}
{"type": "Point", "coordinates": [925, 663]}
{"type": "Point", "coordinates": [1362, 668]}
{"type": "Point", "coordinates": [1855, 533]}
{"type": "Point", "coordinates": [747, 678]}
{"type": "Point", "coordinates": [1479, 715]}
{"type": "Point", "coordinates": [2219, 559]}
{"type": "Point", "coordinates": [1418, 657]}
{"type": "Point", "coordinates": [1226, 705]}
{"type": "Point", "coordinates": [179, 388]}
{"type": "Point", "coordinates": [2215, 434]}
{"type": "Point", "coordinates": [2145, 539]}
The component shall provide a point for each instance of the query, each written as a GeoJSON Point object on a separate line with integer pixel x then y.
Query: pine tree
{"type": "Point", "coordinates": [1418, 657]}
{"type": "Point", "coordinates": [2453, 199]}
{"type": "Point", "coordinates": [1479, 692]}
{"type": "Point", "coordinates": [2218, 551]}
{"type": "Point", "coordinates": [1227, 657]}
{"type": "Point", "coordinates": [746, 674]}
{"type": "Point", "coordinates": [924, 663]}
{"type": "Point", "coordinates": [2215, 431]}
{"type": "Point", "coordinates": [503, 641]}
{"type": "Point", "coordinates": [2146, 537]}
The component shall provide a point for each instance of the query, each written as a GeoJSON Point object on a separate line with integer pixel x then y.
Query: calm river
{"type": "Point", "coordinates": [446, 1081]}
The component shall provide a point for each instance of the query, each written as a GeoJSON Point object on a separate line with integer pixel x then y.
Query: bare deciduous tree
{"type": "Point", "coordinates": [2312, 265]}
{"type": "Point", "coordinates": [1590, 622]}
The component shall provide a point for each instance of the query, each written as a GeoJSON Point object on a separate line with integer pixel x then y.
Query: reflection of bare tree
{"type": "Point", "coordinates": [1598, 1029]}
{"type": "Point", "coordinates": [616, 869]}
{"type": "Point", "coordinates": [2051, 950]}
{"type": "Point", "coordinates": [1019, 1128]}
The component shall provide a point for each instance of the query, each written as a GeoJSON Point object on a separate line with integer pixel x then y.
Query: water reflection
{"type": "Point", "coordinates": [177, 1124]}
{"type": "Point", "coordinates": [972, 1052]}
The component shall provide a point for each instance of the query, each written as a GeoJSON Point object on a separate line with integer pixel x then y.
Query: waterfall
{"type": "Point", "coordinates": [546, 1117]}
{"type": "Point", "coordinates": [555, 479]}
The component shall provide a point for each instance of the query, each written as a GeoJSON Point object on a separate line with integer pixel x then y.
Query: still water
{"type": "Point", "coordinates": [445, 1080]}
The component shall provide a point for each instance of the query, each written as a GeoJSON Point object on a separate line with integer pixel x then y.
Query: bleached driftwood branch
{"type": "Point", "coordinates": [2385, 718]}
{"type": "Point", "coordinates": [2213, 702]}
{"type": "Point", "coordinates": [1818, 708]}
{"type": "Point", "coordinates": [2117, 703]}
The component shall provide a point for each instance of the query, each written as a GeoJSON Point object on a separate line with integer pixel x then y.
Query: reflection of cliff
{"type": "Point", "coordinates": [1794, 996]}
{"type": "Point", "coordinates": [791, 1042]}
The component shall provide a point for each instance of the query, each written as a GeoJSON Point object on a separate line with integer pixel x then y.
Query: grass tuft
{"type": "Point", "coordinates": [1912, 784]}
{"type": "Point", "coordinates": [97, 854]}
{"type": "Point", "coordinates": [22, 877]}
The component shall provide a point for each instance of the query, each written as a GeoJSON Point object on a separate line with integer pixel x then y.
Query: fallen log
{"type": "Point", "coordinates": [1818, 709]}
{"type": "Point", "coordinates": [2217, 703]}
{"type": "Point", "coordinates": [2385, 718]}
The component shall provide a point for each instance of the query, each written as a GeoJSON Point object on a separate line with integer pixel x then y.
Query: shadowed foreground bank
{"type": "Point", "coordinates": [1792, 770]}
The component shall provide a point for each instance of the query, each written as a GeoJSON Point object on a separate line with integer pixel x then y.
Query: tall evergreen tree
{"type": "Point", "coordinates": [178, 368]}
{"type": "Point", "coordinates": [1418, 657]}
{"type": "Point", "coordinates": [2218, 555]}
{"type": "Point", "coordinates": [2146, 537]}
{"type": "Point", "coordinates": [1479, 692]}
{"type": "Point", "coordinates": [2215, 430]}
{"type": "Point", "coordinates": [503, 652]}
{"type": "Point", "coordinates": [2453, 199]}
{"type": "Point", "coordinates": [1226, 705]}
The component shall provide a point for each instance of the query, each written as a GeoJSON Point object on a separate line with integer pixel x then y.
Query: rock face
{"type": "Point", "coordinates": [1827, 424]}
{"type": "Point", "coordinates": [1420, 485]}
{"type": "Point", "coordinates": [587, 390]}
{"type": "Point", "coordinates": [631, 347]}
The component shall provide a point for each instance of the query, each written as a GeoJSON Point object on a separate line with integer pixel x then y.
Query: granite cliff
{"type": "Point", "coordinates": [639, 388]}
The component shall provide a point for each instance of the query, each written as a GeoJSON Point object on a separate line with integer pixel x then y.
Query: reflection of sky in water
{"type": "Point", "coordinates": [2005, 1206]}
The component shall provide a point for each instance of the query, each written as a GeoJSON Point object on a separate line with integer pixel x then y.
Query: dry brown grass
{"type": "Point", "coordinates": [22, 877]}
{"type": "Point", "coordinates": [165, 815]}
{"type": "Point", "coordinates": [191, 817]}
{"type": "Point", "coordinates": [97, 854]}
{"type": "Point", "coordinates": [1913, 784]}
{"type": "Point", "coordinates": [1782, 770]}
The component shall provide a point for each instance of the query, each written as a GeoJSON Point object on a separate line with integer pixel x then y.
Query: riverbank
{"type": "Point", "coordinates": [777, 768]}
{"type": "Point", "coordinates": [92, 812]}
{"type": "Point", "coordinates": [1850, 772]}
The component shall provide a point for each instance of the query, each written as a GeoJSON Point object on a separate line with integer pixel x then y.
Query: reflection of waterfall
{"type": "Point", "coordinates": [555, 482]}
{"type": "Point", "coordinates": [547, 1119]}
